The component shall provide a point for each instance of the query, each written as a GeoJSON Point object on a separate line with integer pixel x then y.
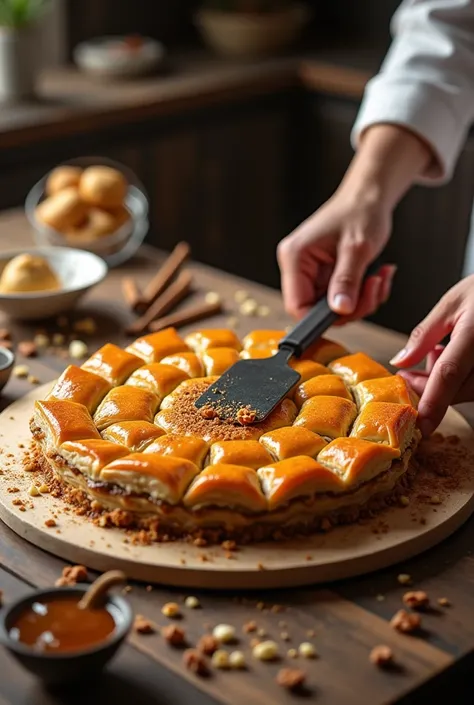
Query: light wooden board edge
{"type": "Point", "coordinates": [342, 553]}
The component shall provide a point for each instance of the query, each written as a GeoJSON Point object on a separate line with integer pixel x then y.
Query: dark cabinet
{"type": "Point", "coordinates": [430, 227]}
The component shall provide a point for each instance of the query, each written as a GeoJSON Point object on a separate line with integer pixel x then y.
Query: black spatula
{"type": "Point", "coordinates": [259, 385]}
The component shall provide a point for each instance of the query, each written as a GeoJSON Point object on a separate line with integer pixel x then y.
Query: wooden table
{"type": "Point", "coordinates": [348, 619]}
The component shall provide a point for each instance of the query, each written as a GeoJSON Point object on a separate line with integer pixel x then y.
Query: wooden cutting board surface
{"type": "Point", "coordinates": [343, 552]}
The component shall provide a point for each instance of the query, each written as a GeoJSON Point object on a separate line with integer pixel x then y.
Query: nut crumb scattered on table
{"type": "Point", "coordinates": [192, 602]}
{"type": "Point", "coordinates": [195, 662]}
{"type": "Point", "coordinates": [142, 625]}
{"type": "Point", "coordinates": [207, 644]}
{"type": "Point", "coordinates": [224, 633]}
{"type": "Point", "coordinates": [171, 609]}
{"type": "Point", "coordinates": [173, 635]}
{"type": "Point", "coordinates": [443, 602]}
{"type": "Point", "coordinates": [249, 627]}
{"type": "Point", "coordinates": [71, 575]}
{"type": "Point", "coordinates": [291, 678]}
{"type": "Point", "coordinates": [405, 622]}
{"type": "Point", "coordinates": [50, 523]}
{"type": "Point", "coordinates": [416, 599]}
{"type": "Point", "coordinates": [381, 656]}
{"type": "Point", "coordinates": [404, 579]}
{"type": "Point", "coordinates": [27, 348]}
{"type": "Point", "coordinates": [307, 650]}
{"type": "Point", "coordinates": [265, 651]}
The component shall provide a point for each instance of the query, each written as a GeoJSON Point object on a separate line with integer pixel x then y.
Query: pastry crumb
{"type": "Point", "coordinates": [71, 575]}
{"type": "Point", "coordinates": [50, 523]}
{"type": "Point", "coordinates": [21, 371]}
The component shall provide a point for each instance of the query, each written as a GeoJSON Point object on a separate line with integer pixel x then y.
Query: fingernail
{"type": "Point", "coordinates": [426, 427]}
{"type": "Point", "coordinates": [399, 356]}
{"type": "Point", "coordinates": [343, 303]}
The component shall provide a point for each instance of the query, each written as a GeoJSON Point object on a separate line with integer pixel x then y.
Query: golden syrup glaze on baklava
{"type": "Point", "coordinates": [123, 428]}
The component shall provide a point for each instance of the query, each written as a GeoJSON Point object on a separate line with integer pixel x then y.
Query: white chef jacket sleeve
{"type": "Point", "coordinates": [426, 82]}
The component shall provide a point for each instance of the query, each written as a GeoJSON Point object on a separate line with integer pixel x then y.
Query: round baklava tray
{"type": "Point", "coordinates": [205, 474]}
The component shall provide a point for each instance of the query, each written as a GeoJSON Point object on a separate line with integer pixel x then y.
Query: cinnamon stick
{"type": "Point", "coordinates": [131, 293]}
{"type": "Point", "coordinates": [175, 293]}
{"type": "Point", "coordinates": [187, 315]}
{"type": "Point", "coordinates": [166, 273]}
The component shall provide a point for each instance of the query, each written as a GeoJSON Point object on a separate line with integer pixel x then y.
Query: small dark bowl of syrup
{"type": "Point", "coordinates": [59, 642]}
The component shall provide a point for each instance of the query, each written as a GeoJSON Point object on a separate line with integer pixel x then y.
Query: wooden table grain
{"type": "Point", "coordinates": [347, 618]}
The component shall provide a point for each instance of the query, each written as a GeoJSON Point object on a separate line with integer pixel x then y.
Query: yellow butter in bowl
{"type": "Point", "coordinates": [28, 273]}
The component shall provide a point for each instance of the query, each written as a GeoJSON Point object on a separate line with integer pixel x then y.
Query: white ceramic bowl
{"type": "Point", "coordinates": [78, 271]}
{"type": "Point", "coordinates": [108, 57]}
{"type": "Point", "coordinates": [115, 248]}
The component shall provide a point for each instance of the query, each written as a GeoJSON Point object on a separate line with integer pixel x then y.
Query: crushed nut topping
{"type": "Point", "coordinates": [246, 416]}
{"type": "Point", "coordinates": [208, 412]}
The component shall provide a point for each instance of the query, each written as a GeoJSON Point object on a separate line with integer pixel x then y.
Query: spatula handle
{"type": "Point", "coordinates": [317, 321]}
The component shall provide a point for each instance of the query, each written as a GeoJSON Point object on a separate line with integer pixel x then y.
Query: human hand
{"type": "Point", "coordinates": [448, 377]}
{"type": "Point", "coordinates": [331, 251]}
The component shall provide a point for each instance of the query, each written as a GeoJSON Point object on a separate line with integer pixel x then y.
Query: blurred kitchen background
{"type": "Point", "coordinates": [236, 121]}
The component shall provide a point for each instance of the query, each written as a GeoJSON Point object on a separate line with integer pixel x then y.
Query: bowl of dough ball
{"type": "Point", "coordinates": [93, 204]}
{"type": "Point", "coordinates": [42, 282]}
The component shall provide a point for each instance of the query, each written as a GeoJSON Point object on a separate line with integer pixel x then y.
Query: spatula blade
{"type": "Point", "coordinates": [258, 385]}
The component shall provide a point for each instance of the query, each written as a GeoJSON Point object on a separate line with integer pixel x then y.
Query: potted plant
{"type": "Point", "coordinates": [18, 53]}
{"type": "Point", "coordinates": [250, 28]}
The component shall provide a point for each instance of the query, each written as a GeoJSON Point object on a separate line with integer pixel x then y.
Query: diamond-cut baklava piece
{"type": "Point", "coordinates": [327, 416]}
{"type": "Point", "coordinates": [322, 385]}
{"type": "Point", "coordinates": [57, 421]}
{"type": "Point", "coordinates": [230, 486]}
{"type": "Point", "coordinates": [189, 447]}
{"type": "Point", "coordinates": [113, 364]}
{"type": "Point", "coordinates": [324, 351]}
{"type": "Point", "coordinates": [189, 362]}
{"type": "Point", "coordinates": [293, 440]}
{"type": "Point", "coordinates": [162, 477]}
{"type": "Point", "coordinates": [300, 476]}
{"type": "Point", "coordinates": [90, 456]}
{"type": "Point", "coordinates": [207, 338]}
{"type": "Point", "coordinates": [157, 378]}
{"type": "Point", "coordinates": [392, 389]}
{"type": "Point", "coordinates": [258, 353]}
{"type": "Point", "coordinates": [383, 422]}
{"type": "Point", "coordinates": [248, 453]}
{"type": "Point", "coordinates": [217, 360]}
{"type": "Point", "coordinates": [156, 346]}
{"type": "Point", "coordinates": [356, 461]}
{"type": "Point", "coordinates": [358, 368]}
{"type": "Point", "coordinates": [135, 435]}
{"type": "Point", "coordinates": [81, 386]}
{"type": "Point", "coordinates": [126, 404]}
{"type": "Point", "coordinates": [263, 339]}
{"type": "Point", "coordinates": [308, 369]}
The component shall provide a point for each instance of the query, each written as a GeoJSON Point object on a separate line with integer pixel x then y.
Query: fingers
{"type": "Point", "coordinates": [432, 356]}
{"type": "Point", "coordinates": [417, 379]}
{"type": "Point", "coordinates": [449, 373]}
{"type": "Point", "coordinates": [375, 292]}
{"type": "Point", "coordinates": [423, 339]}
{"type": "Point", "coordinates": [299, 274]}
{"type": "Point", "coordinates": [353, 257]}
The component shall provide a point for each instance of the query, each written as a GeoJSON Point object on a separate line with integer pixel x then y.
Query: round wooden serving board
{"type": "Point", "coordinates": [343, 552]}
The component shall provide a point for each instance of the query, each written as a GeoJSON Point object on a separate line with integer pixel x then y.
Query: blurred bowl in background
{"type": "Point", "coordinates": [249, 35]}
{"type": "Point", "coordinates": [119, 57]}
{"type": "Point", "coordinates": [115, 248]}
{"type": "Point", "coordinates": [78, 272]}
